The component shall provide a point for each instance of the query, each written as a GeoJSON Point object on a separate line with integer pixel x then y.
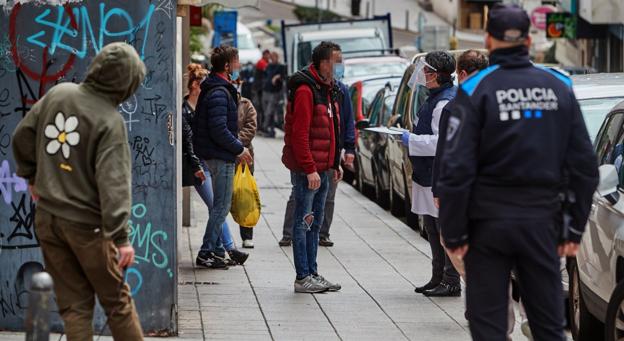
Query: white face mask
{"type": "Point", "coordinates": [418, 77]}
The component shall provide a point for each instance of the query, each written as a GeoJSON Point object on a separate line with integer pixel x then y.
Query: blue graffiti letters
{"type": "Point", "coordinates": [148, 241]}
{"type": "Point", "coordinates": [10, 182]}
{"type": "Point", "coordinates": [77, 40]}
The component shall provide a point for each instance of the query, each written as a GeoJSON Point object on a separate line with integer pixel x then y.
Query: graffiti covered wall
{"type": "Point", "coordinates": [42, 45]}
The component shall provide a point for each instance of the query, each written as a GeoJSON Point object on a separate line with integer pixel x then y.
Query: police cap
{"type": "Point", "coordinates": [508, 23]}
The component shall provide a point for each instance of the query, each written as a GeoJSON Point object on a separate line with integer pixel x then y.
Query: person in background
{"type": "Point", "coordinates": [258, 83]}
{"type": "Point", "coordinates": [193, 168]}
{"type": "Point", "coordinates": [78, 166]}
{"type": "Point", "coordinates": [311, 149]}
{"type": "Point", "coordinates": [434, 71]}
{"type": "Point", "coordinates": [247, 125]}
{"type": "Point", "coordinates": [247, 80]}
{"type": "Point", "coordinates": [215, 140]}
{"type": "Point", "coordinates": [469, 63]}
{"type": "Point", "coordinates": [347, 144]}
{"type": "Point", "coordinates": [272, 93]}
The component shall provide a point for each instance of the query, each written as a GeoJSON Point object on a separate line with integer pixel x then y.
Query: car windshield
{"type": "Point", "coordinates": [245, 42]}
{"type": "Point", "coordinates": [595, 110]}
{"type": "Point", "coordinates": [358, 70]}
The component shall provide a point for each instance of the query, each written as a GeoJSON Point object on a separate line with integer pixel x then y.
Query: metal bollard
{"type": "Point", "coordinates": [38, 315]}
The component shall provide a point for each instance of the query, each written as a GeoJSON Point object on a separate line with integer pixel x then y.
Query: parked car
{"type": "Point", "coordinates": [361, 67]}
{"type": "Point", "coordinates": [362, 94]}
{"type": "Point", "coordinates": [366, 74]}
{"type": "Point", "coordinates": [597, 273]}
{"type": "Point", "coordinates": [373, 173]}
{"type": "Point", "coordinates": [597, 94]}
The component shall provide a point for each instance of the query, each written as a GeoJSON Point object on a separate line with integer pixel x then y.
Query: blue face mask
{"type": "Point", "coordinates": [234, 75]}
{"type": "Point", "coordinates": [339, 70]}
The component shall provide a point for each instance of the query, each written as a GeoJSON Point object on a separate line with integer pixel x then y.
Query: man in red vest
{"type": "Point", "coordinates": [311, 150]}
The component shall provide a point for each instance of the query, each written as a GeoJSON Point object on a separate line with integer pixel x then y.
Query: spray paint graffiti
{"type": "Point", "coordinates": [43, 43]}
{"type": "Point", "coordinates": [148, 243]}
{"type": "Point", "coordinates": [10, 182]}
{"type": "Point", "coordinates": [82, 28]}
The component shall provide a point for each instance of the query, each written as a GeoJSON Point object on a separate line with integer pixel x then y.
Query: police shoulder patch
{"type": "Point", "coordinates": [453, 127]}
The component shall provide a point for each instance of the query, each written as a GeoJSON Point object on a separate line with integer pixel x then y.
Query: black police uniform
{"type": "Point", "coordinates": [514, 129]}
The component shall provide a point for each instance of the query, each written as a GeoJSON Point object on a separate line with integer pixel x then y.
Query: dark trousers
{"type": "Point", "coordinates": [442, 268]}
{"type": "Point", "coordinates": [246, 233]}
{"type": "Point", "coordinates": [329, 211]}
{"type": "Point", "coordinates": [83, 265]}
{"type": "Point", "coordinates": [496, 247]}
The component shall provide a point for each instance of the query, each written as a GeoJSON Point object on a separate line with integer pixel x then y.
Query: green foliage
{"type": "Point", "coordinates": [195, 44]}
{"type": "Point", "coordinates": [311, 14]}
{"type": "Point", "coordinates": [208, 10]}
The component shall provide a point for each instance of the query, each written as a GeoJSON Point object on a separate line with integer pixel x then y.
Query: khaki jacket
{"type": "Point", "coordinates": [247, 123]}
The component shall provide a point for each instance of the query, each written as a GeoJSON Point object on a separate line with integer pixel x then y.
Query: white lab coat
{"type": "Point", "coordinates": [425, 145]}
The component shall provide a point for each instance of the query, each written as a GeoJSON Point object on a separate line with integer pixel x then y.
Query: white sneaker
{"type": "Point", "coordinates": [309, 285]}
{"type": "Point", "coordinates": [329, 285]}
{"type": "Point", "coordinates": [248, 244]}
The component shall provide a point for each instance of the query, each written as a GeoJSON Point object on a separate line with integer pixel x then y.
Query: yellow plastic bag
{"type": "Point", "coordinates": [245, 198]}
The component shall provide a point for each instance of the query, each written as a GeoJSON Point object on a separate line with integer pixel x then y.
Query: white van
{"type": "Point", "coordinates": [367, 35]}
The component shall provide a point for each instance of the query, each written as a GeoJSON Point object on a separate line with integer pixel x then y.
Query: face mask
{"type": "Point", "coordinates": [418, 77]}
{"type": "Point", "coordinates": [234, 75]}
{"type": "Point", "coordinates": [339, 70]}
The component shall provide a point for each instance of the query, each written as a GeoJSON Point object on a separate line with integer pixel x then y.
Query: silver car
{"type": "Point", "coordinates": [597, 273]}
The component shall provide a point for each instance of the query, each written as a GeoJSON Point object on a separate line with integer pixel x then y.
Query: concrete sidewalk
{"type": "Point", "coordinates": [377, 259]}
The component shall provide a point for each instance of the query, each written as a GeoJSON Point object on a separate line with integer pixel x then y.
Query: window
{"type": "Point", "coordinates": [358, 70]}
{"type": "Point", "coordinates": [594, 112]}
{"type": "Point", "coordinates": [610, 147]}
{"type": "Point", "coordinates": [387, 109]}
{"type": "Point", "coordinates": [375, 109]}
{"type": "Point", "coordinates": [405, 92]}
{"type": "Point", "coordinates": [418, 99]}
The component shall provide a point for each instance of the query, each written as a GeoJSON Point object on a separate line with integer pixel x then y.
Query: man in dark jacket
{"type": "Point", "coordinates": [514, 131]}
{"type": "Point", "coordinates": [216, 141]}
{"type": "Point", "coordinates": [312, 130]}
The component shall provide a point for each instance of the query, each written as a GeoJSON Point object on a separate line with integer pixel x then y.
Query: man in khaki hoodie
{"type": "Point", "coordinates": [72, 148]}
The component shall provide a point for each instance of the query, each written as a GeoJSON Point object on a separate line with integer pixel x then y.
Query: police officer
{"type": "Point", "coordinates": [514, 130]}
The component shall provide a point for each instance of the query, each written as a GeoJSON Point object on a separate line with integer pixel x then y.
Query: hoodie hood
{"type": "Point", "coordinates": [116, 72]}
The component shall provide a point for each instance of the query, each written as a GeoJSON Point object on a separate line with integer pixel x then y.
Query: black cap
{"type": "Point", "coordinates": [508, 23]}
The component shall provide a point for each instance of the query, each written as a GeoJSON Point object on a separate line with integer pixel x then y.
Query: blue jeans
{"type": "Point", "coordinates": [205, 192]}
{"type": "Point", "coordinates": [222, 181]}
{"type": "Point", "coordinates": [309, 212]}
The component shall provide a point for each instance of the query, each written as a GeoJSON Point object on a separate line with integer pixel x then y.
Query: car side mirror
{"type": "Point", "coordinates": [362, 124]}
{"type": "Point", "coordinates": [609, 182]}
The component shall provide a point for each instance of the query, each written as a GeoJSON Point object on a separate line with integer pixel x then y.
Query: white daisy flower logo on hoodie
{"type": "Point", "coordinates": [63, 135]}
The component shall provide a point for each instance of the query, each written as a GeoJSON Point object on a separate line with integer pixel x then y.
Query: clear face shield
{"type": "Point", "coordinates": [418, 77]}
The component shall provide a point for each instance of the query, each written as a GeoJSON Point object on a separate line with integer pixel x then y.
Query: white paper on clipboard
{"type": "Point", "coordinates": [392, 131]}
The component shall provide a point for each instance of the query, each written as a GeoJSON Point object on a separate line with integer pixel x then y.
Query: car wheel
{"type": "Point", "coordinates": [397, 207]}
{"type": "Point", "coordinates": [614, 325]}
{"type": "Point", "coordinates": [583, 325]}
{"type": "Point", "coordinates": [362, 186]}
{"type": "Point", "coordinates": [382, 197]}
